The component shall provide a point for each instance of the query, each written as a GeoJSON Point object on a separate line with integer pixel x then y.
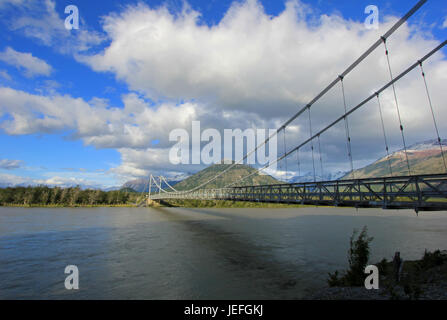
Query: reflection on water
{"type": "Point", "coordinates": [177, 253]}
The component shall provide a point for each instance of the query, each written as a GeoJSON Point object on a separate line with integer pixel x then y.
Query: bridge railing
{"type": "Point", "coordinates": [419, 192]}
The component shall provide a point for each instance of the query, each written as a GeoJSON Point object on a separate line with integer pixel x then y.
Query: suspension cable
{"type": "Point", "coordinates": [298, 160]}
{"type": "Point", "coordinates": [167, 183]}
{"type": "Point", "coordinates": [361, 104]}
{"type": "Point", "coordinates": [158, 185]}
{"type": "Point", "coordinates": [397, 105]}
{"type": "Point", "coordinates": [321, 158]}
{"type": "Point", "coordinates": [374, 46]}
{"type": "Point", "coordinates": [145, 185]}
{"type": "Point", "coordinates": [348, 137]}
{"type": "Point", "coordinates": [311, 143]}
{"type": "Point", "coordinates": [365, 54]}
{"type": "Point", "coordinates": [285, 150]}
{"type": "Point", "coordinates": [384, 135]}
{"type": "Point", "coordinates": [433, 115]}
{"type": "Point", "coordinates": [149, 188]}
{"type": "Point", "coordinates": [324, 91]}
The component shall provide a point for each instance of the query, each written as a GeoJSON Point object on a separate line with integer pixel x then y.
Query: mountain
{"type": "Point", "coordinates": [139, 185]}
{"type": "Point", "coordinates": [127, 189]}
{"type": "Point", "coordinates": [309, 177]}
{"type": "Point", "coordinates": [232, 175]}
{"type": "Point", "coordinates": [111, 189]}
{"type": "Point", "coordinates": [424, 158]}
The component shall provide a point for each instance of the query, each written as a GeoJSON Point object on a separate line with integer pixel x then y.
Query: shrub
{"type": "Point", "coordinates": [358, 256]}
{"type": "Point", "coordinates": [432, 259]}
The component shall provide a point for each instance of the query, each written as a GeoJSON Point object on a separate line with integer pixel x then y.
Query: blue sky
{"type": "Point", "coordinates": [61, 151]}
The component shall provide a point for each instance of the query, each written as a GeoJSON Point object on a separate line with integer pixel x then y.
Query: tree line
{"type": "Point", "coordinates": [73, 196]}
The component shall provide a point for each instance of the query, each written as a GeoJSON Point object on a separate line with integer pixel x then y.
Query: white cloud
{"type": "Point", "coordinates": [135, 125]}
{"type": "Point", "coordinates": [31, 66]}
{"type": "Point", "coordinates": [249, 61]}
{"type": "Point", "coordinates": [5, 3]}
{"type": "Point", "coordinates": [444, 25]}
{"type": "Point", "coordinates": [10, 180]}
{"type": "Point", "coordinates": [39, 20]}
{"type": "Point", "coordinates": [249, 70]}
{"type": "Point", "coordinates": [5, 75]}
{"type": "Point", "coordinates": [10, 164]}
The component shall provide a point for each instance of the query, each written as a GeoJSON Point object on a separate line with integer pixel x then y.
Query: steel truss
{"type": "Point", "coordinates": [418, 192]}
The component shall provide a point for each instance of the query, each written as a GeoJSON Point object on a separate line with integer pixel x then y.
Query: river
{"type": "Point", "coordinates": [179, 253]}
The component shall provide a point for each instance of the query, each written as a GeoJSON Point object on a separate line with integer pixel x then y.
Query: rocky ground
{"type": "Point", "coordinates": [429, 292]}
{"type": "Point", "coordinates": [424, 279]}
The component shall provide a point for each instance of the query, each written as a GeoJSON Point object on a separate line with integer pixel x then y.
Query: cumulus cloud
{"type": "Point", "coordinates": [249, 60]}
{"type": "Point", "coordinates": [97, 124]}
{"type": "Point", "coordinates": [31, 66]}
{"type": "Point", "coordinates": [130, 130]}
{"type": "Point", "coordinates": [5, 75]}
{"type": "Point", "coordinates": [40, 21]}
{"type": "Point", "coordinates": [5, 3]}
{"type": "Point", "coordinates": [10, 164]}
{"type": "Point", "coordinates": [10, 180]}
{"type": "Point", "coordinates": [269, 66]}
{"type": "Point", "coordinates": [248, 70]}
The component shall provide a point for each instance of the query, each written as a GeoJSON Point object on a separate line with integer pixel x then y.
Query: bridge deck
{"type": "Point", "coordinates": [419, 192]}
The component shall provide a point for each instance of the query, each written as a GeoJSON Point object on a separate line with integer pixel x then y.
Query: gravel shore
{"type": "Point", "coordinates": [423, 279]}
{"type": "Point", "coordinates": [430, 291]}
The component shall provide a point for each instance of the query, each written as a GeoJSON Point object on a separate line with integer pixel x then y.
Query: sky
{"type": "Point", "coordinates": [94, 106]}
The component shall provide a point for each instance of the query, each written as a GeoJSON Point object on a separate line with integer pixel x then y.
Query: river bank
{"type": "Point", "coordinates": [13, 205]}
{"type": "Point", "coordinates": [167, 203]}
{"type": "Point", "coordinates": [186, 203]}
{"type": "Point", "coordinates": [423, 279]}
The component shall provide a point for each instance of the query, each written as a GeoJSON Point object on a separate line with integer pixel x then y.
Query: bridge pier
{"type": "Point", "coordinates": [152, 203]}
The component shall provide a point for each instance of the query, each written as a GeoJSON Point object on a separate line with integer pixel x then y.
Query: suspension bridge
{"type": "Point", "coordinates": [410, 191]}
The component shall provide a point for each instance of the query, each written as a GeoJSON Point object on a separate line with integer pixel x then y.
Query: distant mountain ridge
{"type": "Point", "coordinates": [141, 185]}
{"type": "Point", "coordinates": [309, 177]}
{"type": "Point", "coordinates": [232, 175]}
{"type": "Point", "coordinates": [424, 158]}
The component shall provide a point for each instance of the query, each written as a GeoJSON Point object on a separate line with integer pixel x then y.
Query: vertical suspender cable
{"type": "Point", "coordinates": [280, 162]}
{"type": "Point", "coordinates": [285, 150]}
{"type": "Point", "coordinates": [397, 105]}
{"type": "Point", "coordinates": [321, 158]}
{"type": "Point", "coordinates": [150, 185]}
{"type": "Point", "coordinates": [384, 135]}
{"type": "Point", "coordinates": [159, 187]}
{"type": "Point", "coordinates": [311, 143]}
{"type": "Point", "coordinates": [348, 137]}
{"type": "Point", "coordinates": [433, 115]}
{"type": "Point", "coordinates": [298, 160]}
{"type": "Point", "coordinates": [396, 26]}
{"type": "Point", "coordinates": [352, 110]}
